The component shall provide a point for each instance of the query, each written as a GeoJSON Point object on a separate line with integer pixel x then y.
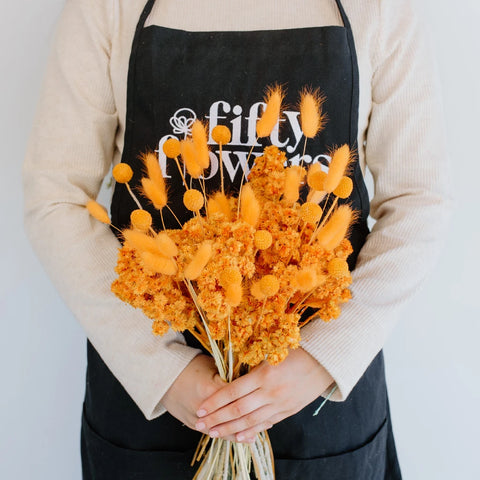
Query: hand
{"type": "Point", "coordinates": [264, 396]}
{"type": "Point", "coordinates": [197, 382]}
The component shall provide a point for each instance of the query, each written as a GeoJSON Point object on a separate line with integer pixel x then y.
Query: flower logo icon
{"type": "Point", "coordinates": [182, 121]}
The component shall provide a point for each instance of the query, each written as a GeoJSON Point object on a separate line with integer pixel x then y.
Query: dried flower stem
{"type": "Point", "coordinates": [202, 340]}
{"type": "Point", "coordinates": [219, 362]}
{"type": "Point", "coordinates": [297, 306]}
{"type": "Point", "coordinates": [226, 469]}
{"type": "Point", "coordinates": [135, 199]}
{"type": "Point", "coordinates": [161, 218]}
{"type": "Point", "coordinates": [181, 172]}
{"type": "Point", "coordinates": [304, 150]}
{"type": "Point", "coordinates": [221, 169]}
{"type": "Point", "coordinates": [202, 444]}
{"type": "Point", "coordinates": [116, 228]}
{"type": "Point", "coordinates": [243, 176]}
{"type": "Point", "coordinates": [324, 219]}
{"type": "Point", "coordinates": [261, 313]}
{"type": "Point", "coordinates": [201, 181]}
{"type": "Point", "coordinates": [230, 352]}
{"type": "Point", "coordinates": [172, 212]}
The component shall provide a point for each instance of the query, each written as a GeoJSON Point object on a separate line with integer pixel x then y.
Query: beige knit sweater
{"type": "Point", "coordinates": [78, 133]}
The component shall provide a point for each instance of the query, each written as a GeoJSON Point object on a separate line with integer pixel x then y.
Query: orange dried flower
{"type": "Point", "coordinates": [230, 276]}
{"type": "Point", "coordinates": [271, 114]}
{"type": "Point", "coordinates": [194, 269]}
{"type": "Point", "coordinates": [310, 212]}
{"type": "Point", "coordinates": [256, 291]}
{"type": "Point", "coordinates": [345, 188]}
{"type": "Point", "coordinates": [166, 245]}
{"type": "Point", "coordinates": [122, 173]}
{"type": "Point", "coordinates": [269, 285]}
{"type": "Point", "coordinates": [140, 241]}
{"type": "Point", "coordinates": [189, 156]}
{"type": "Point", "coordinates": [193, 200]}
{"type": "Point", "coordinates": [171, 148]}
{"type": "Point", "coordinates": [221, 134]}
{"type": "Point", "coordinates": [293, 178]}
{"type": "Point", "coordinates": [263, 239]}
{"type": "Point", "coordinates": [154, 172]}
{"type": "Point", "coordinates": [314, 168]}
{"type": "Point", "coordinates": [156, 194]}
{"type": "Point", "coordinates": [199, 137]}
{"type": "Point", "coordinates": [311, 118]}
{"type": "Point", "coordinates": [141, 220]}
{"type": "Point", "coordinates": [316, 180]}
{"type": "Point", "coordinates": [159, 263]}
{"type": "Point", "coordinates": [233, 294]}
{"type": "Point", "coordinates": [341, 158]}
{"type": "Point", "coordinates": [338, 267]}
{"type": "Point", "coordinates": [267, 176]}
{"type": "Point", "coordinates": [336, 228]}
{"type": "Point", "coordinates": [306, 279]}
{"type": "Point", "coordinates": [97, 211]}
{"type": "Point", "coordinates": [219, 203]}
{"type": "Point", "coordinates": [159, 327]}
{"type": "Point", "coordinates": [249, 206]}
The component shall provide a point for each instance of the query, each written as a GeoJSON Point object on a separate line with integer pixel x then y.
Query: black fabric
{"type": "Point", "coordinates": [347, 440]}
{"type": "Point", "coordinates": [174, 76]}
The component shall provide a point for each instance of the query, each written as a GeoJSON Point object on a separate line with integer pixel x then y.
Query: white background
{"type": "Point", "coordinates": [432, 358]}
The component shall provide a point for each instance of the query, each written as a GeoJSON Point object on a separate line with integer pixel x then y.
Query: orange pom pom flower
{"type": "Point", "coordinates": [221, 134]}
{"type": "Point", "coordinates": [122, 173]}
{"type": "Point", "coordinates": [171, 148]}
{"type": "Point", "coordinates": [141, 220]}
{"type": "Point", "coordinates": [193, 200]}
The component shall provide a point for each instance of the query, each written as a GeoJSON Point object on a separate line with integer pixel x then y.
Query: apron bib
{"type": "Point", "coordinates": [174, 76]}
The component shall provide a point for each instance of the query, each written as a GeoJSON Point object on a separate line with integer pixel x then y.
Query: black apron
{"type": "Point", "coordinates": [173, 77]}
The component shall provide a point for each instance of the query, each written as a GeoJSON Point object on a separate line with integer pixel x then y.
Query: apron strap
{"type": "Point", "coordinates": [355, 75]}
{"type": "Point", "coordinates": [355, 104]}
{"type": "Point", "coordinates": [346, 22]}
{"type": "Point", "coordinates": [143, 17]}
{"type": "Point", "coordinates": [131, 73]}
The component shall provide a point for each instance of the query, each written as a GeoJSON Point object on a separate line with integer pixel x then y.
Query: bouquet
{"type": "Point", "coordinates": [241, 274]}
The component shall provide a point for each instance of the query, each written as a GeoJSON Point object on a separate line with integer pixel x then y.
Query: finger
{"type": "Point", "coordinates": [233, 391]}
{"type": "Point", "coordinates": [232, 411]}
{"type": "Point", "coordinates": [250, 421]}
{"type": "Point", "coordinates": [248, 436]}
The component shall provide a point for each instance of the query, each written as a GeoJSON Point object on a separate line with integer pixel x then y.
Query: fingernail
{"type": "Point", "coordinates": [240, 437]}
{"type": "Point", "coordinates": [250, 440]}
{"type": "Point", "coordinates": [213, 433]}
{"type": "Point", "coordinates": [200, 426]}
{"type": "Point", "coordinates": [201, 413]}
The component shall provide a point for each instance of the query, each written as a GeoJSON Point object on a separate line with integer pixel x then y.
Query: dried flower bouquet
{"type": "Point", "coordinates": [241, 273]}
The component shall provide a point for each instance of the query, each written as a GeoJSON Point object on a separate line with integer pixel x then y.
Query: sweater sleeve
{"type": "Point", "coordinates": [70, 151]}
{"type": "Point", "coordinates": [406, 154]}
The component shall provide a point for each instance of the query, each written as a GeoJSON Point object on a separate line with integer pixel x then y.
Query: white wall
{"type": "Point", "coordinates": [433, 357]}
{"type": "Point", "coordinates": [42, 349]}
{"type": "Point", "coordinates": [432, 360]}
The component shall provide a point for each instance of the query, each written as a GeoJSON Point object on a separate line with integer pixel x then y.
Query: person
{"type": "Point", "coordinates": [125, 75]}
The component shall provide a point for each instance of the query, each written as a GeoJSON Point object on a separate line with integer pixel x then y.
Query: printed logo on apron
{"type": "Point", "coordinates": [242, 123]}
